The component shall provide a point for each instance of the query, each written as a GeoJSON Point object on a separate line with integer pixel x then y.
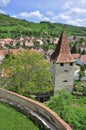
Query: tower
{"type": "Point", "coordinates": [62, 65]}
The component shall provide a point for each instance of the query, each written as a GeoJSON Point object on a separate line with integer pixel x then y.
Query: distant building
{"type": "Point", "coordinates": [76, 55]}
{"type": "Point", "coordinates": [62, 65]}
{"type": "Point", "coordinates": [3, 54]}
{"type": "Point", "coordinates": [81, 61]}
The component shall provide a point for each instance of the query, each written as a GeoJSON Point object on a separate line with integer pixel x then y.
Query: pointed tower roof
{"type": "Point", "coordinates": [62, 52]}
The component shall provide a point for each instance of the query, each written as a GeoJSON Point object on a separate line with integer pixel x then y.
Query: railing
{"type": "Point", "coordinates": [34, 109]}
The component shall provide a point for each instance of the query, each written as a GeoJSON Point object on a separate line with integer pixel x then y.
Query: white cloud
{"type": "Point", "coordinates": [50, 13]}
{"type": "Point", "coordinates": [35, 14]}
{"type": "Point", "coordinates": [4, 2]}
{"type": "Point", "coordinates": [45, 19]}
{"type": "Point", "coordinates": [82, 22]}
{"type": "Point", "coordinates": [73, 22]}
{"type": "Point", "coordinates": [82, 1]}
{"type": "Point", "coordinates": [67, 4]}
{"type": "Point", "coordinates": [2, 11]}
{"type": "Point", "coordinates": [77, 22]}
{"type": "Point", "coordinates": [78, 10]}
{"type": "Point", "coordinates": [14, 16]}
{"type": "Point", "coordinates": [61, 16]}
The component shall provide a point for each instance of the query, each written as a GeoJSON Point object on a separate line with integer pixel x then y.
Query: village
{"type": "Point", "coordinates": [45, 46]}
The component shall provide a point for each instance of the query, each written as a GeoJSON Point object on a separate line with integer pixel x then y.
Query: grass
{"type": "Point", "coordinates": [11, 119]}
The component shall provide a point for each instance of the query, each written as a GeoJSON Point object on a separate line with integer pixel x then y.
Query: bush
{"type": "Point", "coordinates": [71, 109]}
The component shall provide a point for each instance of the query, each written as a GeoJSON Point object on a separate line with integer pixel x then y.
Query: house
{"type": "Point", "coordinates": [38, 41]}
{"type": "Point", "coordinates": [54, 40]}
{"type": "Point", "coordinates": [76, 56]}
{"type": "Point", "coordinates": [62, 65]}
{"type": "Point", "coordinates": [29, 42]}
{"type": "Point", "coordinates": [3, 54]}
{"type": "Point", "coordinates": [15, 51]}
{"type": "Point", "coordinates": [83, 47]}
{"type": "Point", "coordinates": [81, 61]}
{"type": "Point", "coordinates": [2, 43]}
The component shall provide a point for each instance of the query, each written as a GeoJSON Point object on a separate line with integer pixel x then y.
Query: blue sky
{"type": "Point", "coordinates": [71, 12]}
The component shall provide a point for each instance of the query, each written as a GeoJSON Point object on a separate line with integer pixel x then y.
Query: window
{"type": "Point", "coordinates": [61, 64]}
{"type": "Point", "coordinates": [65, 81]}
{"type": "Point", "coordinates": [71, 64]}
{"type": "Point", "coordinates": [65, 70]}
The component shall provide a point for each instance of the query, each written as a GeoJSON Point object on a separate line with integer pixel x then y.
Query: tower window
{"type": "Point", "coordinates": [61, 64]}
{"type": "Point", "coordinates": [66, 70]}
{"type": "Point", "coordinates": [71, 64]}
{"type": "Point", "coordinates": [65, 81]}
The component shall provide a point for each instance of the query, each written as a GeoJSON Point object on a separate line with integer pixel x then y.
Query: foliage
{"type": "Point", "coordinates": [74, 49]}
{"type": "Point", "coordinates": [27, 73]}
{"type": "Point", "coordinates": [11, 119]}
{"type": "Point", "coordinates": [82, 71]}
{"type": "Point", "coordinates": [71, 109]}
{"type": "Point", "coordinates": [79, 87]}
{"type": "Point", "coordinates": [48, 46]}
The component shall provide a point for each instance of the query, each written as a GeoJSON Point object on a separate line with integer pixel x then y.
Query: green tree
{"type": "Point", "coordinates": [27, 73]}
{"type": "Point", "coordinates": [74, 49]}
{"type": "Point", "coordinates": [81, 72]}
{"type": "Point", "coordinates": [71, 109]}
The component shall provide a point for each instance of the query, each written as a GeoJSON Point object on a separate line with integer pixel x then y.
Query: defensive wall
{"type": "Point", "coordinates": [37, 111]}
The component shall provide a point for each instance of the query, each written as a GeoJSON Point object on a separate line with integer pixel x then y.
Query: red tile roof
{"type": "Point", "coordinates": [75, 56]}
{"type": "Point", "coordinates": [62, 52]}
{"type": "Point", "coordinates": [83, 58]}
{"type": "Point", "coordinates": [8, 40]}
{"type": "Point", "coordinates": [3, 52]}
{"type": "Point", "coordinates": [14, 51]}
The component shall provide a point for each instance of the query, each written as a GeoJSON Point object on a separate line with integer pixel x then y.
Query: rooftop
{"type": "Point", "coordinates": [62, 52]}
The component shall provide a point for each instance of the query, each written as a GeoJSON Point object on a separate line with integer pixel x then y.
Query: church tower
{"type": "Point", "coordinates": [62, 65]}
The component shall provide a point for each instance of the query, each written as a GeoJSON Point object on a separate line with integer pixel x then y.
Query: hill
{"type": "Point", "coordinates": [13, 27]}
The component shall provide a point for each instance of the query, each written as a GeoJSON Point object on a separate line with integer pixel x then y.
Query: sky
{"type": "Point", "coordinates": [72, 12]}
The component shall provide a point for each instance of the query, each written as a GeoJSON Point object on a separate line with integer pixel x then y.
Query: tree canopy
{"type": "Point", "coordinates": [26, 73]}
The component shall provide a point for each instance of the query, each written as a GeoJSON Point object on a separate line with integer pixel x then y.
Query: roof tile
{"type": "Point", "coordinates": [62, 52]}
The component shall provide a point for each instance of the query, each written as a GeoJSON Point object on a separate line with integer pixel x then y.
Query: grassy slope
{"type": "Point", "coordinates": [12, 27]}
{"type": "Point", "coordinates": [10, 119]}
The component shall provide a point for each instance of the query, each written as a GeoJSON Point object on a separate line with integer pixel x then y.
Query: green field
{"type": "Point", "coordinates": [11, 119]}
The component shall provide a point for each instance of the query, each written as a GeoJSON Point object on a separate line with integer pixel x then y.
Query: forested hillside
{"type": "Point", "coordinates": [13, 27]}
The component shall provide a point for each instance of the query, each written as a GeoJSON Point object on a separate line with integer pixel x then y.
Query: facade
{"type": "Point", "coordinates": [62, 65]}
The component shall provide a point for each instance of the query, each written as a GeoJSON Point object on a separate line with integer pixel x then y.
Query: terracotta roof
{"type": "Point", "coordinates": [14, 51]}
{"type": "Point", "coordinates": [8, 40]}
{"type": "Point", "coordinates": [83, 58]}
{"type": "Point", "coordinates": [62, 52]}
{"type": "Point", "coordinates": [75, 56]}
{"type": "Point", "coordinates": [3, 52]}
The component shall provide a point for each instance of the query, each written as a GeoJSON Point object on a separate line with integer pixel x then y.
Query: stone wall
{"type": "Point", "coordinates": [34, 109]}
{"type": "Point", "coordinates": [64, 77]}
